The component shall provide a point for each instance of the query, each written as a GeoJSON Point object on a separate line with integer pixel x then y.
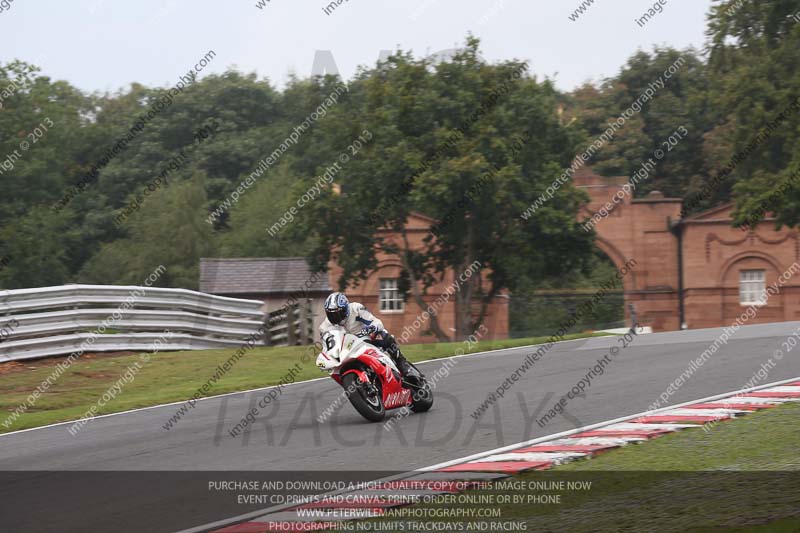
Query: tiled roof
{"type": "Point", "coordinates": [259, 275]}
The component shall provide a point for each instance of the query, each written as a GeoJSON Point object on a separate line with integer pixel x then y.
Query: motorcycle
{"type": "Point", "coordinates": [371, 380]}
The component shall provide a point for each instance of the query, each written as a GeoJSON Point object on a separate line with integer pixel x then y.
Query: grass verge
{"type": "Point", "coordinates": [171, 377]}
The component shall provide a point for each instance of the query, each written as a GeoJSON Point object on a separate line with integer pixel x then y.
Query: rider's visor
{"type": "Point", "coordinates": [336, 316]}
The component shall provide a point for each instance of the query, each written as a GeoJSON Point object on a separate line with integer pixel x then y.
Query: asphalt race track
{"type": "Point", "coordinates": [111, 484]}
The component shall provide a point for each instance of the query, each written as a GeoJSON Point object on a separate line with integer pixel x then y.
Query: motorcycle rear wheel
{"type": "Point", "coordinates": [370, 406]}
{"type": "Point", "coordinates": [422, 398]}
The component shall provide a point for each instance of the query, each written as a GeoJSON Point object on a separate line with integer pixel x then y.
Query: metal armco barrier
{"type": "Point", "coordinates": [70, 319]}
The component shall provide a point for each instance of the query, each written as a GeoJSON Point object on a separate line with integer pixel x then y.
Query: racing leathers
{"type": "Point", "coordinates": [362, 323]}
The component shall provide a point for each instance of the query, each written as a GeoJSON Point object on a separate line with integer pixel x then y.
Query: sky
{"type": "Point", "coordinates": [104, 45]}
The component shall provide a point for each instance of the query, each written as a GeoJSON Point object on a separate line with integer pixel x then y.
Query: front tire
{"type": "Point", "coordinates": [368, 404]}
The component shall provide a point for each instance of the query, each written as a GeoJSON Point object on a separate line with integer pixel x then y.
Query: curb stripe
{"type": "Point", "coordinates": [581, 448]}
{"type": "Point", "coordinates": [684, 418]}
{"type": "Point", "coordinates": [512, 467]}
{"type": "Point", "coordinates": [770, 394]}
{"type": "Point", "coordinates": [648, 433]}
{"type": "Point", "coordinates": [737, 406]}
{"type": "Point", "coordinates": [546, 452]}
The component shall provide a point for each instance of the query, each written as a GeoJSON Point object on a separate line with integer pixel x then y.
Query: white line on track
{"type": "Point", "coordinates": [256, 514]}
{"type": "Point", "coordinates": [590, 427]}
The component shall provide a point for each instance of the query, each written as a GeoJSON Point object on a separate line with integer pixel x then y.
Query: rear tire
{"type": "Point", "coordinates": [422, 398]}
{"type": "Point", "coordinates": [369, 406]}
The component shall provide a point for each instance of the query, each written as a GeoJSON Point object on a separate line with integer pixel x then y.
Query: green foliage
{"type": "Point", "coordinates": [169, 230]}
{"type": "Point", "coordinates": [439, 132]}
{"type": "Point", "coordinates": [681, 102]}
{"type": "Point", "coordinates": [755, 62]}
{"type": "Point", "coordinates": [39, 246]}
{"type": "Point", "coordinates": [725, 99]}
{"type": "Point", "coordinates": [259, 209]}
{"type": "Point", "coordinates": [81, 242]}
{"type": "Point", "coordinates": [442, 143]}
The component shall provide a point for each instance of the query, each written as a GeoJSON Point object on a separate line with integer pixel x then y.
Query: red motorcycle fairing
{"type": "Point", "coordinates": [393, 393]}
{"type": "Point", "coordinates": [362, 376]}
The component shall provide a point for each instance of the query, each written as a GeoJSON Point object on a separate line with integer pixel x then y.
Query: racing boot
{"type": "Point", "coordinates": [410, 375]}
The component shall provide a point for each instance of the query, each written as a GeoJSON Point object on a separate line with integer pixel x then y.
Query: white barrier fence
{"type": "Point", "coordinates": [95, 318]}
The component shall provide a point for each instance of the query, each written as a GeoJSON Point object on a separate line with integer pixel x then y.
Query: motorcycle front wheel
{"type": "Point", "coordinates": [365, 397]}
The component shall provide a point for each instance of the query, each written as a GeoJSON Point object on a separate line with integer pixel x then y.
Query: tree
{"type": "Point", "coordinates": [44, 124]}
{"type": "Point", "coordinates": [754, 62]}
{"type": "Point", "coordinates": [36, 248]}
{"type": "Point", "coordinates": [681, 102]}
{"type": "Point", "coordinates": [168, 230]}
{"type": "Point", "coordinates": [464, 138]}
{"type": "Point", "coordinates": [259, 209]}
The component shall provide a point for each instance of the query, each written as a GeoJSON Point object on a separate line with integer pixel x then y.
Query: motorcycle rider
{"type": "Point", "coordinates": [355, 319]}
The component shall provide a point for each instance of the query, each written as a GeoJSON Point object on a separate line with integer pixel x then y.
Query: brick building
{"type": "Point", "coordinates": [278, 280]}
{"type": "Point", "coordinates": [700, 271]}
{"type": "Point", "coordinates": [379, 290]}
